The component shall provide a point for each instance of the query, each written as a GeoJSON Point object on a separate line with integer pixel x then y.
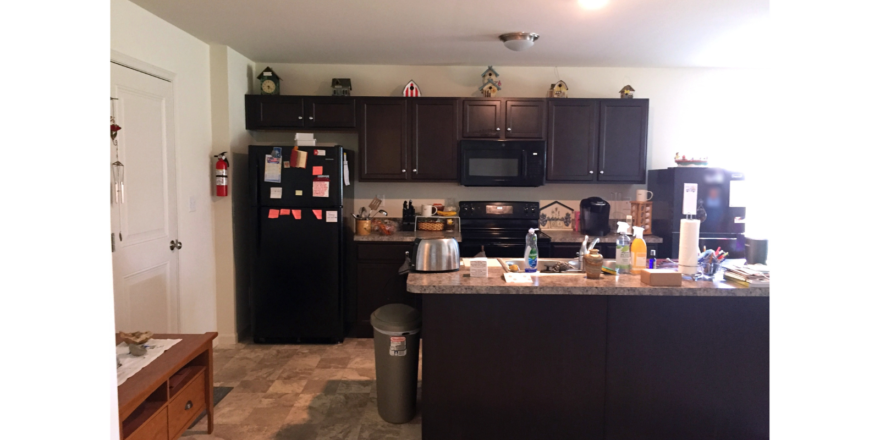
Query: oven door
{"type": "Point", "coordinates": [506, 163]}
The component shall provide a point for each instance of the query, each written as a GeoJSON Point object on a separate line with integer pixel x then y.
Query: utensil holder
{"type": "Point", "coordinates": [362, 227]}
{"type": "Point", "coordinates": [709, 268]}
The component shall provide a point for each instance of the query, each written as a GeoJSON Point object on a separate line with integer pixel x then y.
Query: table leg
{"type": "Point", "coordinates": [209, 389]}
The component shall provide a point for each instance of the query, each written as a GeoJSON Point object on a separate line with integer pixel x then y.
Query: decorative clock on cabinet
{"type": "Point", "coordinates": [270, 83]}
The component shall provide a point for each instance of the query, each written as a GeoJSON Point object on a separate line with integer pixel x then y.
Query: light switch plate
{"type": "Point", "coordinates": [192, 204]}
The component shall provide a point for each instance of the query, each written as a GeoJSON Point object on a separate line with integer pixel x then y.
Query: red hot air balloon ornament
{"type": "Point", "coordinates": [411, 90]}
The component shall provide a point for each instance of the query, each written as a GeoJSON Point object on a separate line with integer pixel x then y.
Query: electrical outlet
{"type": "Point", "coordinates": [382, 198]}
{"type": "Point", "coordinates": [192, 204]}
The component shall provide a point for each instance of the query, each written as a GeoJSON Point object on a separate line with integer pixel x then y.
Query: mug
{"type": "Point", "coordinates": [428, 210]}
{"type": "Point", "coordinates": [642, 195]}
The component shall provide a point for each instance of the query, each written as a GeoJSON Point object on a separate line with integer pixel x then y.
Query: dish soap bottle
{"type": "Point", "coordinates": [639, 251]}
{"type": "Point", "coordinates": [531, 256]}
{"type": "Point", "coordinates": [623, 256]}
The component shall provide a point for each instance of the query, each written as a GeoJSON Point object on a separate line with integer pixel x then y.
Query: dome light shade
{"type": "Point", "coordinates": [519, 41]}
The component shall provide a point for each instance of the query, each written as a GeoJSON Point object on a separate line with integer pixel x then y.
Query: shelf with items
{"type": "Point", "coordinates": [427, 223]}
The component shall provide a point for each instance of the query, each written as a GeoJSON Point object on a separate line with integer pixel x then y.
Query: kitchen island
{"type": "Point", "coordinates": [564, 357]}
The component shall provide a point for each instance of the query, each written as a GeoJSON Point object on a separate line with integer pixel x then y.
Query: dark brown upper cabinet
{"type": "Point", "coordinates": [571, 140]}
{"type": "Point", "coordinates": [330, 112]}
{"type": "Point", "coordinates": [383, 139]}
{"type": "Point", "coordinates": [280, 112]}
{"type": "Point", "coordinates": [524, 118]}
{"type": "Point", "coordinates": [273, 112]}
{"type": "Point", "coordinates": [623, 140]}
{"type": "Point", "coordinates": [434, 144]}
{"type": "Point", "coordinates": [482, 118]}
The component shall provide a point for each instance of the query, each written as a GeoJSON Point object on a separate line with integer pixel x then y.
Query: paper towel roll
{"type": "Point", "coordinates": [688, 246]}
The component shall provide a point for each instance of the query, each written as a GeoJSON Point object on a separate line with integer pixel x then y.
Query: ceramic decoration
{"type": "Point", "coordinates": [491, 83]}
{"type": "Point", "coordinates": [270, 82]}
{"type": "Point", "coordinates": [559, 89]}
{"type": "Point", "coordinates": [556, 216]}
{"type": "Point", "coordinates": [627, 92]}
{"type": "Point", "coordinates": [341, 87]}
{"type": "Point", "coordinates": [411, 90]}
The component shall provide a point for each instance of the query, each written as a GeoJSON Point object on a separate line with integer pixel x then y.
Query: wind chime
{"type": "Point", "coordinates": [117, 168]}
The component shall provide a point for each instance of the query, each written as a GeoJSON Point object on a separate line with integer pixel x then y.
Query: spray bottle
{"type": "Point", "coordinates": [531, 255]}
{"type": "Point", "coordinates": [623, 256]}
{"type": "Point", "coordinates": [639, 251]}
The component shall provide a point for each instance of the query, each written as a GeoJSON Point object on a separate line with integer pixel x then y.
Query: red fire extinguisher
{"type": "Point", "coordinates": [222, 176]}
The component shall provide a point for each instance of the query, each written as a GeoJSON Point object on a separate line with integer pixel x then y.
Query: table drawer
{"type": "Point", "coordinates": [154, 429]}
{"type": "Point", "coordinates": [187, 404]}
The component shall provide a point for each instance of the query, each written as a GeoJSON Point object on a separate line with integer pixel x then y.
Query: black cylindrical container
{"type": "Point", "coordinates": [756, 250]}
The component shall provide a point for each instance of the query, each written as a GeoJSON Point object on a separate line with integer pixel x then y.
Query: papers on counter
{"type": "Point", "coordinates": [518, 278]}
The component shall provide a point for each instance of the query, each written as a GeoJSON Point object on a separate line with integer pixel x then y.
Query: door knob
{"type": "Point", "coordinates": [176, 245]}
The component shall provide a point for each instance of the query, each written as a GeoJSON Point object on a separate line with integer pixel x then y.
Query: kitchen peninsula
{"type": "Point", "coordinates": [567, 357]}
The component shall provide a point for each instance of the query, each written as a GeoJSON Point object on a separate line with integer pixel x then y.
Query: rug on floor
{"type": "Point", "coordinates": [219, 394]}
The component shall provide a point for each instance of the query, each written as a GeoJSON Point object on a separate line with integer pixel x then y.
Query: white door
{"type": "Point", "coordinates": [145, 267]}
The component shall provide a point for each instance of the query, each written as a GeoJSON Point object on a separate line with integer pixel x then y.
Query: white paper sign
{"type": "Point", "coordinates": [275, 193]}
{"type": "Point", "coordinates": [320, 153]}
{"type": "Point", "coordinates": [517, 278]}
{"type": "Point", "coordinates": [331, 217]}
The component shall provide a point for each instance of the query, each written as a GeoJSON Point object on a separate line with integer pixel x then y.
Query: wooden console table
{"type": "Point", "coordinates": [162, 400]}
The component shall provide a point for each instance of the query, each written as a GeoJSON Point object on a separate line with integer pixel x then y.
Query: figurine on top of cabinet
{"type": "Point", "coordinates": [411, 90]}
{"type": "Point", "coordinates": [491, 83]}
{"type": "Point", "coordinates": [626, 92]}
{"type": "Point", "coordinates": [341, 86]}
{"type": "Point", "coordinates": [558, 90]}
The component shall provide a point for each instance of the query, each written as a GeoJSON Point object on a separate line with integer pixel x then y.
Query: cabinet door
{"type": "Point", "coordinates": [330, 112]}
{"type": "Point", "coordinates": [434, 139]}
{"type": "Point", "coordinates": [269, 111]}
{"type": "Point", "coordinates": [483, 118]}
{"type": "Point", "coordinates": [383, 139]}
{"type": "Point", "coordinates": [378, 281]}
{"type": "Point", "coordinates": [525, 118]}
{"type": "Point", "coordinates": [623, 140]}
{"type": "Point", "coordinates": [571, 141]}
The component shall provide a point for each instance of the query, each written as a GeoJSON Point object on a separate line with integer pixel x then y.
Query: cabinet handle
{"type": "Point", "coordinates": [601, 172]}
{"type": "Point", "coordinates": [591, 172]}
{"type": "Point", "coordinates": [300, 117]}
{"type": "Point", "coordinates": [508, 129]}
{"type": "Point", "coordinates": [311, 117]}
{"type": "Point", "coordinates": [402, 171]}
{"type": "Point", "coordinates": [498, 129]}
{"type": "Point", "coordinates": [415, 171]}
{"type": "Point", "coordinates": [189, 404]}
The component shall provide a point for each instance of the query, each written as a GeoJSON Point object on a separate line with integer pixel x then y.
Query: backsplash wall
{"type": "Point", "coordinates": [449, 192]}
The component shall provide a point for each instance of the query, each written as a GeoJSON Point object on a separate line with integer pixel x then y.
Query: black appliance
{"type": "Point", "coordinates": [298, 274]}
{"type": "Point", "coordinates": [500, 228]}
{"type": "Point", "coordinates": [502, 163]}
{"type": "Point", "coordinates": [594, 216]}
{"type": "Point", "coordinates": [722, 225]}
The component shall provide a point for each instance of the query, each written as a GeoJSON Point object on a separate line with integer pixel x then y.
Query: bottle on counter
{"type": "Point", "coordinates": [652, 259]}
{"type": "Point", "coordinates": [629, 225]}
{"type": "Point", "coordinates": [623, 255]}
{"type": "Point", "coordinates": [593, 264]}
{"type": "Point", "coordinates": [639, 251]}
{"type": "Point", "coordinates": [531, 254]}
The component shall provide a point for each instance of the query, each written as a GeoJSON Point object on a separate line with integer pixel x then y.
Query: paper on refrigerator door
{"type": "Point", "coordinates": [321, 186]}
{"type": "Point", "coordinates": [275, 193]}
{"type": "Point", "coordinates": [272, 173]}
{"type": "Point", "coordinates": [689, 202]}
{"type": "Point", "coordinates": [332, 217]}
{"type": "Point", "coordinates": [345, 169]}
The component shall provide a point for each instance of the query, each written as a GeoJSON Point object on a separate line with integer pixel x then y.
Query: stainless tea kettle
{"type": "Point", "coordinates": [434, 255]}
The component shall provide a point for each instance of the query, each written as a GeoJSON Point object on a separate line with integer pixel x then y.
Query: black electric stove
{"type": "Point", "coordinates": [500, 228]}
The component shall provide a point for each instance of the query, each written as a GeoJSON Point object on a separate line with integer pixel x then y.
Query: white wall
{"type": "Point", "coordinates": [114, 397]}
{"type": "Point", "coordinates": [231, 79]}
{"type": "Point", "coordinates": [143, 36]}
{"type": "Point", "coordinates": [712, 112]}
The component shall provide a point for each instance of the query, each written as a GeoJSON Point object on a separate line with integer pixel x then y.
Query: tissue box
{"type": "Point", "coordinates": [661, 277]}
{"type": "Point", "coordinates": [479, 268]}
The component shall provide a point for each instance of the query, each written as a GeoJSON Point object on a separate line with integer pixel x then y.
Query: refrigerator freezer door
{"type": "Point", "coordinates": [299, 282]}
{"type": "Point", "coordinates": [297, 184]}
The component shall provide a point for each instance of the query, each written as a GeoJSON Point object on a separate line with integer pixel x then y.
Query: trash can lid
{"type": "Point", "coordinates": [396, 318]}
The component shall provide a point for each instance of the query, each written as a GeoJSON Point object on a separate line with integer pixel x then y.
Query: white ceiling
{"type": "Point", "coordinates": [631, 33]}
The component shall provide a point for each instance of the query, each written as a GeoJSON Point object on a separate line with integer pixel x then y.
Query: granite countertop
{"type": "Point", "coordinates": [407, 236]}
{"type": "Point", "coordinates": [564, 236]}
{"type": "Point", "coordinates": [564, 284]}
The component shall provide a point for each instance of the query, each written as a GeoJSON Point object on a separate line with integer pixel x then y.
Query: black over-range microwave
{"type": "Point", "coordinates": [502, 163]}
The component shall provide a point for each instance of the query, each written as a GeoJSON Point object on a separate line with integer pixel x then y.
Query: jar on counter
{"type": "Point", "coordinates": [593, 264]}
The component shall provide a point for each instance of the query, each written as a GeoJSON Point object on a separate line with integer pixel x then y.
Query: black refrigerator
{"type": "Point", "coordinates": [724, 222]}
{"type": "Point", "coordinates": [298, 265]}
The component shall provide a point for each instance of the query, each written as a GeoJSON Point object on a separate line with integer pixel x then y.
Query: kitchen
{"type": "Point", "coordinates": [715, 112]}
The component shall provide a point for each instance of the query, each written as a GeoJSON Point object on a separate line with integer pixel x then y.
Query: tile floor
{"type": "Point", "coordinates": [300, 392]}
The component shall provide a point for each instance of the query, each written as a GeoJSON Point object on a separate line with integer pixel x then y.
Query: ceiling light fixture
{"type": "Point", "coordinates": [592, 4]}
{"type": "Point", "coordinates": [518, 41]}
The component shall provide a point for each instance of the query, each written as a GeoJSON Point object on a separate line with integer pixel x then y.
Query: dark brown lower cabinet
{"type": "Point", "coordinates": [378, 283]}
{"type": "Point", "coordinates": [524, 367]}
